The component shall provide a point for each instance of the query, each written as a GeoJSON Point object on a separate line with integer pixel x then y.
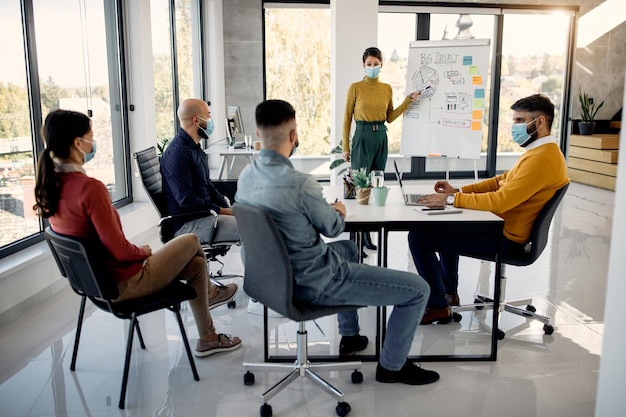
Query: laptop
{"type": "Point", "coordinates": [409, 199]}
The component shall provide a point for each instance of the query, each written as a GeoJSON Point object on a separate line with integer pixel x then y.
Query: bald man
{"type": "Point", "coordinates": [187, 187]}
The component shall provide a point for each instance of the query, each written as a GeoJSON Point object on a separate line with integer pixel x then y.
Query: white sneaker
{"type": "Point", "coordinates": [256, 308]}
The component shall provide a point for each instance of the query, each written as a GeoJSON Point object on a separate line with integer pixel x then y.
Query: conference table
{"type": "Point", "coordinates": [395, 216]}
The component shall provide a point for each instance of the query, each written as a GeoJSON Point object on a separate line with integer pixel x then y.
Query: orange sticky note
{"type": "Point", "coordinates": [477, 114]}
{"type": "Point", "coordinates": [476, 125]}
{"type": "Point", "coordinates": [478, 80]}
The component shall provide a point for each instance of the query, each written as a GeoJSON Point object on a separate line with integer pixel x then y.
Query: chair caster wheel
{"type": "Point", "coordinates": [357, 377]}
{"type": "Point", "coordinates": [548, 329]}
{"type": "Point", "coordinates": [266, 410]}
{"type": "Point", "coordinates": [232, 304]}
{"type": "Point", "coordinates": [248, 378]}
{"type": "Point", "coordinates": [500, 334]}
{"type": "Point", "coordinates": [342, 409]}
{"type": "Point", "coordinates": [456, 317]}
{"type": "Point", "coordinates": [530, 308]}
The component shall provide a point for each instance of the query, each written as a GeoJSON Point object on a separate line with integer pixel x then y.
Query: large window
{"type": "Point", "coordinates": [177, 72]}
{"type": "Point", "coordinates": [297, 67]}
{"type": "Point", "coordinates": [533, 63]}
{"type": "Point", "coordinates": [17, 220]}
{"type": "Point", "coordinates": [163, 70]}
{"type": "Point", "coordinates": [72, 62]}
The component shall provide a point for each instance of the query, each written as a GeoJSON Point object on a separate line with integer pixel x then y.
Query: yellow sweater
{"type": "Point", "coordinates": [520, 193]}
{"type": "Point", "coordinates": [369, 100]}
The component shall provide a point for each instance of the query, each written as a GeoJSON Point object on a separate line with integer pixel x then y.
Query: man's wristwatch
{"type": "Point", "coordinates": [450, 200]}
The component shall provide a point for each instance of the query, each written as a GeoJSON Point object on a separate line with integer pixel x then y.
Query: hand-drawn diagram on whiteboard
{"type": "Point", "coordinates": [447, 119]}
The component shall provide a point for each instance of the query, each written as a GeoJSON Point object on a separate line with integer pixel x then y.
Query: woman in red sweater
{"type": "Point", "coordinates": [80, 206]}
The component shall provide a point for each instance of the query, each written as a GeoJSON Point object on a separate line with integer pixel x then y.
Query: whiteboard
{"type": "Point", "coordinates": [448, 118]}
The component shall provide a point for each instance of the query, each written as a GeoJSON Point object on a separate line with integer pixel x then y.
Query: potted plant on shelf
{"type": "Point", "coordinates": [588, 111]}
{"type": "Point", "coordinates": [363, 185]}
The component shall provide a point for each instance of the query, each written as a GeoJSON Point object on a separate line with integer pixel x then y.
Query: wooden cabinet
{"type": "Point", "coordinates": [592, 159]}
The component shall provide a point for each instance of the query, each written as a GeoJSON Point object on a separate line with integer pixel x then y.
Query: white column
{"type": "Point", "coordinates": [612, 376]}
{"type": "Point", "coordinates": [354, 27]}
{"type": "Point", "coordinates": [142, 120]}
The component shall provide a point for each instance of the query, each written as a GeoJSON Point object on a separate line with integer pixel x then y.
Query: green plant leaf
{"type": "Point", "coordinates": [336, 163]}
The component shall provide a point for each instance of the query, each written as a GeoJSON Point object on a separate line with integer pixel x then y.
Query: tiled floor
{"type": "Point", "coordinates": [535, 375]}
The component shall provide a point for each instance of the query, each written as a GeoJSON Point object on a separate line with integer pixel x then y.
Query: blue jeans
{"type": "Point", "coordinates": [358, 284]}
{"type": "Point", "coordinates": [442, 273]}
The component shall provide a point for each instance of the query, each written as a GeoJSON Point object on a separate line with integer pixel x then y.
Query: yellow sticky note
{"type": "Point", "coordinates": [478, 103]}
{"type": "Point", "coordinates": [477, 80]}
{"type": "Point", "coordinates": [477, 114]}
{"type": "Point", "coordinates": [473, 70]}
{"type": "Point", "coordinates": [476, 126]}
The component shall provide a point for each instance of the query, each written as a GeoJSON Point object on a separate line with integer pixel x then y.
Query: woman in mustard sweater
{"type": "Point", "coordinates": [370, 103]}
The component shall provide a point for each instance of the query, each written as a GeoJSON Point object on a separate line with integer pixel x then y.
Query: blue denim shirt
{"type": "Point", "coordinates": [295, 202]}
{"type": "Point", "coordinates": [187, 186]}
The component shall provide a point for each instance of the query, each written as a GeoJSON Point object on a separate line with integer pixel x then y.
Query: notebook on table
{"type": "Point", "coordinates": [409, 199]}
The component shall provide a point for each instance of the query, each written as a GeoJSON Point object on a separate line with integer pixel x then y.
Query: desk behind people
{"type": "Point", "coordinates": [225, 152]}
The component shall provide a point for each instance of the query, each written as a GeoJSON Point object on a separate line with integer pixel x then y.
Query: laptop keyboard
{"type": "Point", "coordinates": [413, 198]}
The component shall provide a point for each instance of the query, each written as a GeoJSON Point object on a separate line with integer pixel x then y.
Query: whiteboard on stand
{"type": "Point", "coordinates": [447, 120]}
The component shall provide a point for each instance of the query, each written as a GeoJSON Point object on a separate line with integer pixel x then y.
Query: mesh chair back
{"type": "Point", "coordinates": [539, 233]}
{"type": "Point", "coordinates": [269, 277]}
{"type": "Point", "coordinates": [82, 263]}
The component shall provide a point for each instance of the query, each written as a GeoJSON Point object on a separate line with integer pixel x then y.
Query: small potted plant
{"type": "Point", "coordinates": [343, 167]}
{"type": "Point", "coordinates": [363, 184]}
{"type": "Point", "coordinates": [588, 111]}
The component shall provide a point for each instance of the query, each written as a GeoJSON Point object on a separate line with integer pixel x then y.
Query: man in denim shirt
{"type": "Point", "coordinates": [187, 187]}
{"type": "Point", "coordinates": [328, 274]}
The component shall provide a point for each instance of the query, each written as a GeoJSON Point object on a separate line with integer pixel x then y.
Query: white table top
{"type": "Point", "coordinates": [395, 211]}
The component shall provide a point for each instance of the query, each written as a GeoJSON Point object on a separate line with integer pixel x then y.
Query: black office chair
{"type": "Point", "coordinates": [150, 171]}
{"type": "Point", "coordinates": [81, 262]}
{"type": "Point", "coordinates": [534, 248]}
{"type": "Point", "coordinates": [269, 280]}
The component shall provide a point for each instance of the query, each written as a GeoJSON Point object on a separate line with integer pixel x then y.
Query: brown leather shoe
{"type": "Point", "coordinates": [224, 294]}
{"type": "Point", "coordinates": [223, 343]}
{"type": "Point", "coordinates": [453, 299]}
{"type": "Point", "coordinates": [437, 315]}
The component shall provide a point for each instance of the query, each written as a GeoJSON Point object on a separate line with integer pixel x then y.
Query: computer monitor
{"type": "Point", "coordinates": [234, 124]}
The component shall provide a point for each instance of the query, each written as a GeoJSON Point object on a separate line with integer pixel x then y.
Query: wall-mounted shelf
{"type": "Point", "coordinates": [592, 159]}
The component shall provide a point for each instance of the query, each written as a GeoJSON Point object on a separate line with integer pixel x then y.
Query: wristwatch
{"type": "Point", "coordinates": [450, 200]}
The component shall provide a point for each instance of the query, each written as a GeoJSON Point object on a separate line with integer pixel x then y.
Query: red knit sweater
{"type": "Point", "coordinates": [85, 211]}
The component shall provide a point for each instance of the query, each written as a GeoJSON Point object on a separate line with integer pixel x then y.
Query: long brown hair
{"type": "Point", "coordinates": [60, 129]}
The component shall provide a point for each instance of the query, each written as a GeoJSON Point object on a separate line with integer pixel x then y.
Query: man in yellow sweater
{"type": "Point", "coordinates": [517, 196]}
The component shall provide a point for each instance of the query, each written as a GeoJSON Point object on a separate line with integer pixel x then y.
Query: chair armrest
{"type": "Point", "coordinates": [192, 215]}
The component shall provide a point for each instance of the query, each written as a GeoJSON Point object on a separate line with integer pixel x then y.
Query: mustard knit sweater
{"type": "Point", "coordinates": [520, 193]}
{"type": "Point", "coordinates": [369, 100]}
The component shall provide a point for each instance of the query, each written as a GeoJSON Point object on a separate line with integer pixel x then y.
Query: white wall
{"type": "Point", "coordinates": [354, 27]}
{"type": "Point", "coordinates": [612, 379]}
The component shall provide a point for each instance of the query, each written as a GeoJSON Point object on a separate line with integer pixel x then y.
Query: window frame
{"type": "Point", "coordinates": [113, 8]}
{"type": "Point", "coordinates": [422, 13]}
